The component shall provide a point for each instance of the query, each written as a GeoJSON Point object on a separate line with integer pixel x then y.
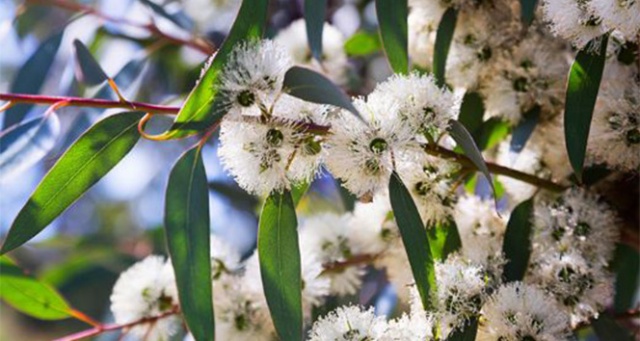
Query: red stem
{"type": "Point", "coordinates": [89, 102]}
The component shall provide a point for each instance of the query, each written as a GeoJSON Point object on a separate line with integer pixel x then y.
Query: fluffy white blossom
{"type": "Point", "coordinates": [622, 15]}
{"type": "Point", "coordinates": [328, 237]}
{"type": "Point", "coordinates": [147, 290]}
{"type": "Point", "coordinates": [225, 258]}
{"type": "Point", "coordinates": [525, 77]}
{"type": "Point", "coordinates": [481, 232]}
{"type": "Point", "coordinates": [614, 138]}
{"type": "Point", "coordinates": [460, 291]}
{"type": "Point", "coordinates": [362, 154]}
{"type": "Point", "coordinates": [315, 287]}
{"type": "Point", "coordinates": [416, 326]}
{"type": "Point", "coordinates": [348, 323]}
{"type": "Point", "coordinates": [334, 59]}
{"type": "Point", "coordinates": [373, 225]}
{"type": "Point", "coordinates": [252, 78]}
{"type": "Point", "coordinates": [573, 20]}
{"type": "Point", "coordinates": [581, 288]}
{"type": "Point", "coordinates": [430, 181]}
{"type": "Point", "coordinates": [520, 312]}
{"type": "Point", "coordinates": [527, 160]}
{"type": "Point", "coordinates": [423, 105]}
{"type": "Point", "coordinates": [577, 221]}
{"type": "Point", "coordinates": [423, 24]}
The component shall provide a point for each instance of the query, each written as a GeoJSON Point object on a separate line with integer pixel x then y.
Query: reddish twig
{"type": "Point", "coordinates": [355, 260]}
{"type": "Point", "coordinates": [196, 43]}
{"type": "Point", "coordinates": [97, 330]}
{"type": "Point", "coordinates": [88, 102]}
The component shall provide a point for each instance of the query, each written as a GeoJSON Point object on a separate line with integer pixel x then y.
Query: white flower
{"type": "Point", "coordinates": [225, 258]}
{"type": "Point", "coordinates": [147, 290]}
{"type": "Point", "coordinates": [623, 15]}
{"type": "Point", "coordinates": [349, 323]}
{"type": "Point", "coordinates": [481, 232]}
{"type": "Point", "coordinates": [372, 225]}
{"type": "Point", "coordinates": [327, 236]}
{"type": "Point", "coordinates": [527, 77]}
{"type": "Point", "coordinates": [615, 131]}
{"type": "Point", "coordinates": [423, 24]}
{"type": "Point", "coordinates": [573, 20]}
{"type": "Point", "coordinates": [519, 312]}
{"type": "Point", "coordinates": [362, 154]}
{"type": "Point", "coordinates": [252, 78]}
{"type": "Point", "coordinates": [334, 59]}
{"type": "Point", "coordinates": [460, 292]}
{"type": "Point", "coordinates": [417, 326]}
{"type": "Point", "coordinates": [583, 289]}
{"type": "Point", "coordinates": [423, 105]}
{"type": "Point", "coordinates": [240, 307]}
{"type": "Point", "coordinates": [315, 287]}
{"type": "Point", "coordinates": [576, 221]}
{"type": "Point", "coordinates": [429, 180]}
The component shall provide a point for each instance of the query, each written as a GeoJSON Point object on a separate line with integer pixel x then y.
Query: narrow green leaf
{"type": "Point", "coordinates": [443, 239]}
{"type": "Point", "coordinates": [279, 255]}
{"type": "Point", "coordinates": [29, 295]}
{"type": "Point", "coordinates": [627, 268]}
{"type": "Point", "coordinates": [314, 13]}
{"type": "Point", "coordinates": [415, 240]}
{"type": "Point", "coordinates": [607, 329]}
{"type": "Point", "coordinates": [313, 87]}
{"type": "Point", "coordinates": [524, 129]}
{"type": "Point", "coordinates": [362, 43]}
{"type": "Point", "coordinates": [92, 156]}
{"type": "Point", "coordinates": [528, 11]}
{"type": "Point", "coordinates": [471, 111]}
{"type": "Point", "coordinates": [200, 111]}
{"type": "Point", "coordinates": [186, 220]}
{"type": "Point", "coordinates": [444, 36]}
{"type": "Point", "coordinates": [465, 333]}
{"type": "Point", "coordinates": [298, 191]}
{"type": "Point", "coordinates": [31, 76]}
{"type": "Point", "coordinates": [517, 242]}
{"type": "Point", "coordinates": [89, 70]}
{"type": "Point", "coordinates": [582, 90]}
{"type": "Point", "coordinates": [392, 18]}
{"type": "Point", "coordinates": [24, 144]}
{"type": "Point", "coordinates": [465, 141]}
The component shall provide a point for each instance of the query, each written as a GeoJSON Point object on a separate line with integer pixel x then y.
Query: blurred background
{"type": "Point", "coordinates": [119, 221]}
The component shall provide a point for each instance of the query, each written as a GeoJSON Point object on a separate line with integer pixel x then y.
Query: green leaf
{"type": "Point", "coordinates": [298, 191]}
{"type": "Point", "coordinates": [627, 268]}
{"type": "Point", "coordinates": [362, 43]}
{"type": "Point", "coordinates": [607, 329]}
{"type": "Point", "coordinates": [466, 333]}
{"type": "Point", "coordinates": [524, 129]}
{"type": "Point", "coordinates": [471, 111]}
{"type": "Point", "coordinates": [186, 220]}
{"type": "Point", "coordinates": [465, 141]}
{"type": "Point", "coordinates": [443, 239]}
{"type": "Point", "coordinates": [517, 242]}
{"type": "Point", "coordinates": [444, 36]}
{"type": "Point", "coordinates": [201, 109]}
{"type": "Point", "coordinates": [314, 13]}
{"type": "Point", "coordinates": [582, 90]}
{"type": "Point", "coordinates": [30, 296]}
{"type": "Point", "coordinates": [31, 76]}
{"type": "Point", "coordinates": [414, 238]}
{"type": "Point", "coordinates": [313, 87]}
{"type": "Point", "coordinates": [492, 132]}
{"type": "Point", "coordinates": [92, 156]}
{"type": "Point", "coordinates": [279, 255]}
{"type": "Point", "coordinates": [89, 71]}
{"type": "Point", "coordinates": [24, 144]}
{"type": "Point", "coordinates": [528, 11]}
{"type": "Point", "coordinates": [392, 18]}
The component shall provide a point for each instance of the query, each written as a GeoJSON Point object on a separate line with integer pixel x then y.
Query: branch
{"type": "Point", "coordinates": [493, 168]}
{"type": "Point", "coordinates": [339, 266]}
{"type": "Point", "coordinates": [112, 327]}
{"type": "Point", "coordinates": [196, 43]}
{"type": "Point", "coordinates": [86, 102]}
